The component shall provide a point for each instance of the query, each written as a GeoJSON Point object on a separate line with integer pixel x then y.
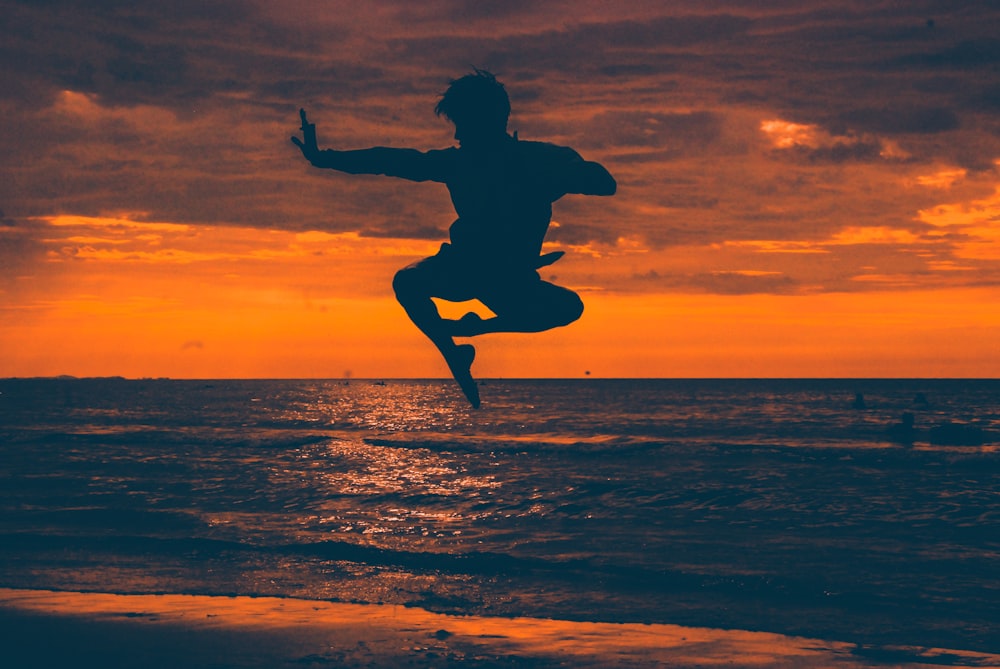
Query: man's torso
{"type": "Point", "coordinates": [504, 199]}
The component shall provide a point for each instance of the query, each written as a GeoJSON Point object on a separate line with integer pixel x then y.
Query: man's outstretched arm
{"type": "Point", "coordinates": [404, 163]}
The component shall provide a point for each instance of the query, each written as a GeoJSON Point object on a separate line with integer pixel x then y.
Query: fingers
{"type": "Point", "coordinates": [308, 143]}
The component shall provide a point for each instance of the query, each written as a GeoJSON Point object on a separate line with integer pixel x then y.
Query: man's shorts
{"type": "Point", "coordinates": [450, 276]}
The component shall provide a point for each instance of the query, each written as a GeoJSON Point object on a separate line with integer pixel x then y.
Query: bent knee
{"type": "Point", "coordinates": [403, 283]}
{"type": "Point", "coordinates": [570, 310]}
{"type": "Point", "coordinates": [576, 308]}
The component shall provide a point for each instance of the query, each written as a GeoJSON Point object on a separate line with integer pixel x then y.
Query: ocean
{"type": "Point", "coordinates": [790, 506]}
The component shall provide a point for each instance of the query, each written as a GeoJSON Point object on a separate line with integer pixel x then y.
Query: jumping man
{"type": "Point", "coordinates": [503, 190]}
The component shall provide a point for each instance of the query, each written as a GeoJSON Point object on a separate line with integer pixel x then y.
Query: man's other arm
{"type": "Point", "coordinates": [568, 172]}
{"type": "Point", "coordinates": [585, 177]}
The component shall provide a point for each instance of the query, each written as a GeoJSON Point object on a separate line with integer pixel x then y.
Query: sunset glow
{"type": "Point", "coordinates": [801, 192]}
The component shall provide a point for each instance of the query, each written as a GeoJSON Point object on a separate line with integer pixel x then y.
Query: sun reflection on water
{"type": "Point", "coordinates": [379, 470]}
{"type": "Point", "coordinates": [383, 494]}
{"type": "Point", "coordinates": [379, 407]}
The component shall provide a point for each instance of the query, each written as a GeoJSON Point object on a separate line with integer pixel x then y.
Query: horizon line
{"type": "Point", "coordinates": [374, 379]}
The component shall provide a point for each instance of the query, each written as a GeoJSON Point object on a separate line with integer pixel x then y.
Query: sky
{"type": "Point", "coordinates": [807, 188]}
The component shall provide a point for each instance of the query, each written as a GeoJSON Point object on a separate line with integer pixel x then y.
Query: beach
{"type": "Point", "coordinates": [58, 629]}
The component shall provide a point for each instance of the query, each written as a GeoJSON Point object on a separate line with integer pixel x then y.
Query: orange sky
{"type": "Point", "coordinates": [801, 192]}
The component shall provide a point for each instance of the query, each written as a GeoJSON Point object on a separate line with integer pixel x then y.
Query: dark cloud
{"type": "Point", "coordinates": [736, 283]}
{"type": "Point", "coordinates": [842, 150]}
{"type": "Point", "coordinates": [582, 234]}
{"type": "Point", "coordinates": [22, 255]}
{"type": "Point", "coordinates": [651, 130]}
{"type": "Point", "coordinates": [461, 11]}
{"type": "Point", "coordinates": [609, 48]}
{"type": "Point", "coordinates": [402, 230]}
{"type": "Point", "coordinates": [988, 99]}
{"type": "Point", "coordinates": [966, 55]}
{"type": "Point", "coordinates": [178, 55]}
{"type": "Point", "coordinates": [182, 110]}
{"type": "Point", "coordinates": [851, 151]}
{"type": "Point", "coordinates": [899, 120]}
{"type": "Point", "coordinates": [721, 282]}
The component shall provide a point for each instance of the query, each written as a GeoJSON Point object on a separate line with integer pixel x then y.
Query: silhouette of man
{"type": "Point", "coordinates": [502, 190]}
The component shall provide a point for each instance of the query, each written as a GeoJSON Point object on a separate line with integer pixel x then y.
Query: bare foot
{"type": "Point", "coordinates": [460, 363]}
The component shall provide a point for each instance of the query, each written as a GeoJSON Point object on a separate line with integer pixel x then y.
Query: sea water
{"type": "Point", "coordinates": [780, 505]}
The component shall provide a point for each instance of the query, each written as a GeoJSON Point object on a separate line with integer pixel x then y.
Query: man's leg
{"type": "Point", "coordinates": [533, 306]}
{"type": "Point", "coordinates": [414, 286]}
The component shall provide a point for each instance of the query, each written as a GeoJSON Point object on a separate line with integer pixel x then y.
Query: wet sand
{"type": "Point", "coordinates": [71, 629]}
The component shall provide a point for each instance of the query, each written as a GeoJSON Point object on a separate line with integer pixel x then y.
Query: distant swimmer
{"type": "Point", "coordinates": [859, 402]}
{"type": "Point", "coordinates": [502, 189]}
{"type": "Point", "coordinates": [903, 432]}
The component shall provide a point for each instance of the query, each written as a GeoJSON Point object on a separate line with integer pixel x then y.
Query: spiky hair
{"type": "Point", "coordinates": [477, 98]}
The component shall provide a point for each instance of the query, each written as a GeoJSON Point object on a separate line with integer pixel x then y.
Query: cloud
{"type": "Point", "coordinates": [183, 112]}
{"type": "Point", "coordinates": [971, 54]}
{"type": "Point", "coordinates": [398, 230]}
{"type": "Point", "coordinates": [972, 227]}
{"type": "Point", "coordinates": [899, 120]}
{"type": "Point", "coordinates": [815, 144]}
{"type": "Point", "coordinates": [746, 282]}
{"type": "Point", "coordinates": [945, 178]}
{"type": "Point", "coordinates": [665, 134]}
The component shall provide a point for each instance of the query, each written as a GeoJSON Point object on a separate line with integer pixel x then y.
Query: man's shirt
{"type": "Point", "coordinates": [503, 197]}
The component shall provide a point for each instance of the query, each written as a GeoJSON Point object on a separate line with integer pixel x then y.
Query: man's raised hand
{"type": "Point", "coordinates": [308, 142]}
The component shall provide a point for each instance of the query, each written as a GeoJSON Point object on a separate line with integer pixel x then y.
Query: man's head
{"type": "Point", "coordinates": [478, 106]}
